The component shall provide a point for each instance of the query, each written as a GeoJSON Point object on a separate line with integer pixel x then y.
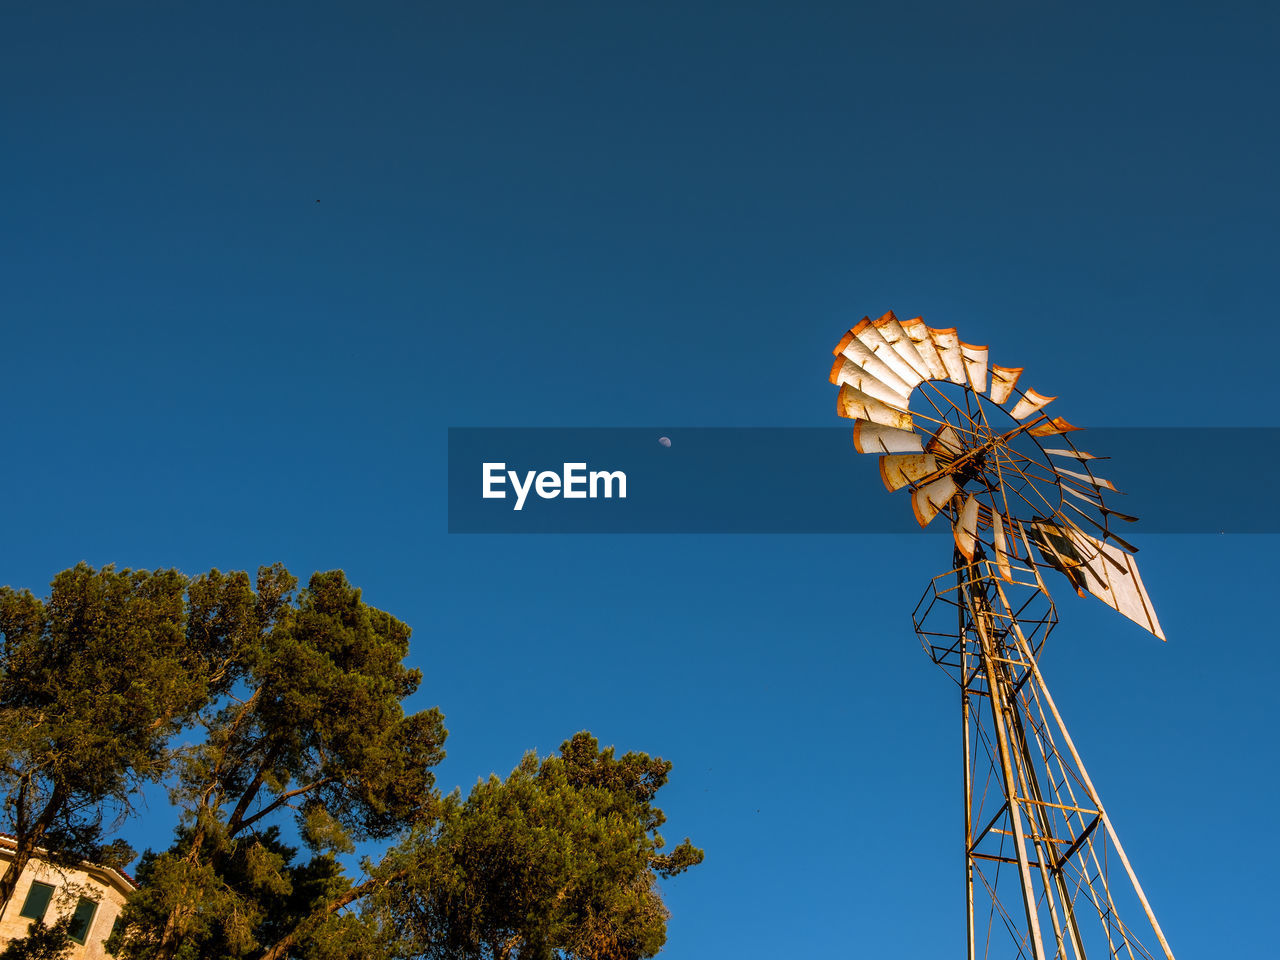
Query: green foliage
{"type": "Point", "coordinates": [298, 699]}
{"type": "Point", "coordinates": [255, 894]}
{"type": "Point", "coordinates": [94, 681]}
{"type": "Point", "coordinates": [308, 725]}
{"type": "Point", "coordinates": [41, 942]}
{"type": "Point", "coordinates": [560, 859]}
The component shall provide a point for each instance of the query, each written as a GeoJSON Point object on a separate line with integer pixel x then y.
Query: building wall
{"type": "Point", "coordinates": [69, 885]}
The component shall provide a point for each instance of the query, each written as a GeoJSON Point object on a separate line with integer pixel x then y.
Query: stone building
{"type": "Point", "coordinates": [93, 896]}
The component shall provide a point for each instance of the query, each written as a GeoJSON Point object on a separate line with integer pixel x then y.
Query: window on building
{"type": "Point", "coordinates": [37, 903]}
{"type": "Point", "coordinates": [82, 919]}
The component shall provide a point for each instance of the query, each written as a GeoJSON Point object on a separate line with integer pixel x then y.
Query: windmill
{"type": "Point", "coordinates": [1045, 874]}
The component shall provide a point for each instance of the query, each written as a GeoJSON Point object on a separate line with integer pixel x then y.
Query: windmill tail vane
{"type": "Point", "coordinates": [1045, 873]}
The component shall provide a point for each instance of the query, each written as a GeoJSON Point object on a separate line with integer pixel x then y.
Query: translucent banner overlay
{"type": "Point", "coordinates": [812, 480]}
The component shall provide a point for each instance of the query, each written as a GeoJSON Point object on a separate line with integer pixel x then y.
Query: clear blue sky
{"type": "Point", "coordinates": [664, 214]}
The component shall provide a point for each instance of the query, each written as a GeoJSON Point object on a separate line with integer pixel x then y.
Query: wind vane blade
{"type": "Point", "coordinates": [1110, 574]}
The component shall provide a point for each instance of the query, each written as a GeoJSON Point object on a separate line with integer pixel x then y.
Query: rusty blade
{"type": "Point", "coordinates": [893, 332]}
{"type": "Point", "coordinates": [965, 529]}
{"type": "Point", "coordinates": [919, 334]}
{"type": "Point", "coordinates": [845, 371]}
{"type": "Point", "coordinates": [1026, 545]}
{"type": "Point", "coordinates": [857, 351]}
{"type": "Point", "coordinates": [853, 404]}
{"type": "Point", "coordinates": [932, 497]}
{"type": "Point", "coordinates": [1052, 428]}
{"type": "Point", "coordinates": [975, 365]}
{"type": "Point", "coordinates": [1088, 478]}
{"type": "Point", "coordinates": [1074, 454]}
{"type": "Point", "coordinates": [1116, 513]}
{"type": "Point", "coordinates": [1082, 496]}
{"type": "Point", "coordinates": [946, 443]}
{"type": "Point", "coordinates": [877, 438]}
{"type": "Point", "coordinates": [899, 469]}
{"type": "Point", "coordinates": [1001, 550]}
{"type": "Point", "coordinates": [874, 340]}
{"type": "Point", "coordinates": [948, 346]}
{"type": "Point", "coordinates": [1002, 381]}
{"type": "Point", "coordinates": [1031, 402]}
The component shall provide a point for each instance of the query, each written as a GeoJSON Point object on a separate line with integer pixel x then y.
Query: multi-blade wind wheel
{"type": "Point", "coordinates": [983, 453]}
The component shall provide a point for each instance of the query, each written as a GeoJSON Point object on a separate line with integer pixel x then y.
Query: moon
{"type": "Point", "coordinates": [664, 441]}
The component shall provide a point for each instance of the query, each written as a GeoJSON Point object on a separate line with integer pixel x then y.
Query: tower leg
{"type": "Point", "coordinates": [998, 711]}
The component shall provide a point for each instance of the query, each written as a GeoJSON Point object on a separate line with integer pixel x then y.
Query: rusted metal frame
{"type": "Point", "coordinates": [998, 711]}
{"type": "Point", "coordinates": [968, 784]}
{"type": "Point", "coordinates": [1037, 819]}
{"type": "Point", "coordinates": [1034, 794]}
{"type": "Point", "coordinates": [1016, 689]}
{"type": "Point", "coordinates": [1110, 914]}
{"type": "Point", "coordinates": [963, 433]}
{"type": "Point", "coordinates": [1071, 850]}
{"type": "Point", "coordinates": [1000, 859]}
{"type": "Point", "coordinates": [1013, 455]}
{"type": "Point", "coordinates": [933, 386]}
{"type": "Point", "coordinates": [995, 461]}
{"type": "Point", "coordinates": [1014, 663]}
{"type": "Point", "coordinates": [1038, 688]}
{"type": "Point", "coordinates": [1029, 483]}
{"type": "Point", "coordinates": [1106, 820]}
{"type": "Point", "coordinates": [968, 827]}
{"type": "Point", "coordinates": [988, 828]}
{"type": "Point", "coordinates": [1051, 479]}
{"type": "Point", "coordinates": [1032, 485]}
{"type": "Point", "coordinates": [1106, 530]}
{"type": "Point", "coordinates": [1031, 786]}
{"type": "Point", "coordinates": [998, 491]}
{"type": "Point", "coordinates": [997, 905]}
{"type": "Point", "coordinates": [1044, 731]}
{"type": "Point", "coordinates": [1057, 806]}
{"type": "Point", "coordinates": [992, 768]}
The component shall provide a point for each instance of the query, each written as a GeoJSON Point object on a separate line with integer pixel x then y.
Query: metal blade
{"type": "Point", "coordinates": [1074, 454]}
{"type": "Point", "coordinates": [965, 529]}
{"type": "Point", "coordinates": [998, 541]}
{"type": "Point", "coordinates": [1088, 478]}
{"type": "Point", "coordinates": [1002, 381]}
{"type": "Point", "coordinates": [857, 351]}
{"type": "Point", "coordinates": [853, 404]}
{"type": "Point", "coordinates": [975, 365]}
{"type": "Point", "coordinates": [874, 341]}
{"type": "Point", "coordinates": [932, 497]}
{"type": "Point", "coordinates": [946, 443]}
{"type": "Point", "coordinates": [919, 334]}
{"type": "Point", "coordinates": [899, 469]}
{"type": "Point", "coordinates": [948, 347]}
{"type": "Point", "coordinates": [845, 371]}
{"type": "Point", "coordinates": [877, 438]}
{"type": "Point", "coordinates": [1029, 404]}
{"type": "Point", "coordinates": [1052, 427]}
{"type": "Point", "coordinates": [893, 332]}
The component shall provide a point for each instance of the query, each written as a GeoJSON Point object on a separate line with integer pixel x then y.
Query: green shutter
{"type": "Point", "coordinates": [81, 920]}
{"type": "Point", "coordinates": [37, 902]}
